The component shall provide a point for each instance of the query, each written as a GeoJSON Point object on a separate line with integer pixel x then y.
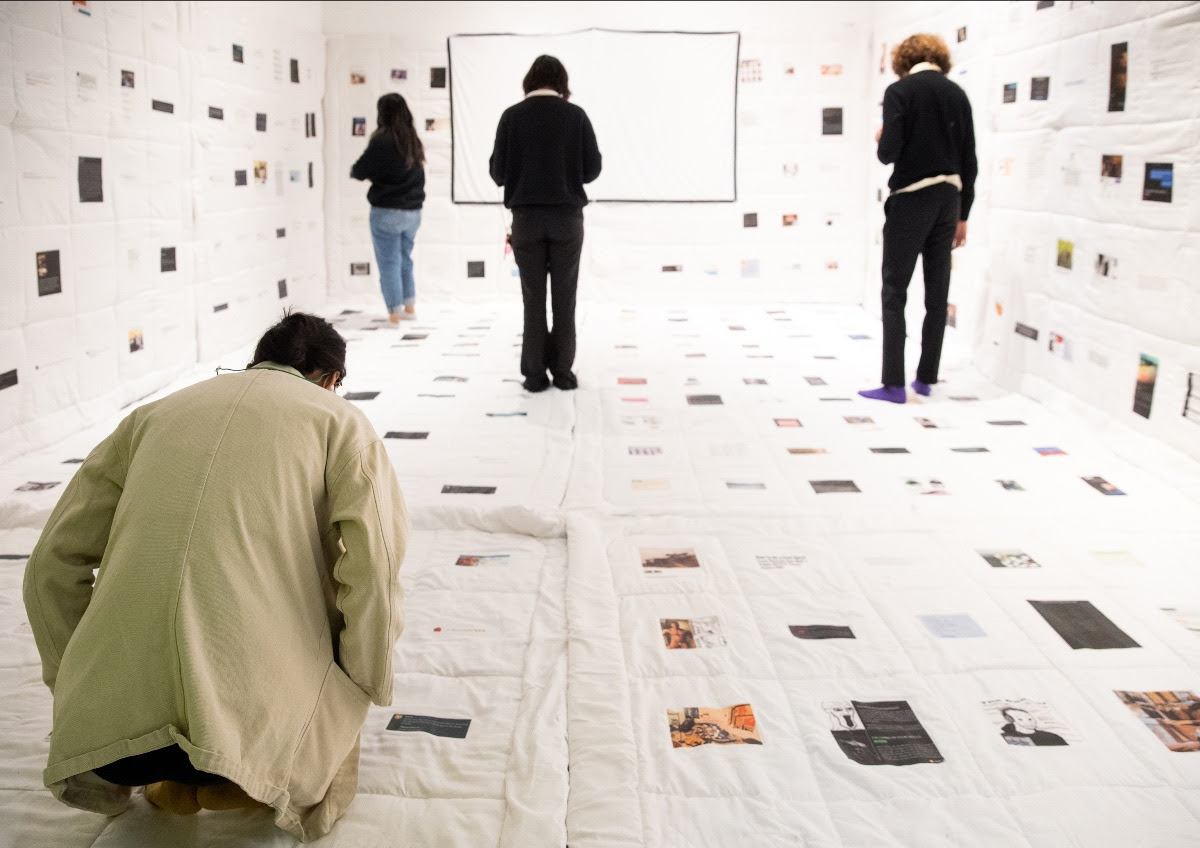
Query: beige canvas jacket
{"type": "Point", "coordinates": [248, 531]}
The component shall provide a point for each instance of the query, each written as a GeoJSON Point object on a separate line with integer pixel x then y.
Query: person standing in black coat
{"type": "Point", "coordinates": [929, 135]}
{"type": "Point", "coordinates": [545, 152]}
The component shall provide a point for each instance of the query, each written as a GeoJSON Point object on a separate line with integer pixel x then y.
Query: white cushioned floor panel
{"type": "Point", "coordinates": [760, 622]}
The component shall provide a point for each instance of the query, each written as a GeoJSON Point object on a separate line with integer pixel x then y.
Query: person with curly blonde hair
{"type": "Point", "coordinates": [928, 135]}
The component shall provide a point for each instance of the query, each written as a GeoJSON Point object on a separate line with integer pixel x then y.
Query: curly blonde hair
{"type": "Point", "coordinates": [919, 48]}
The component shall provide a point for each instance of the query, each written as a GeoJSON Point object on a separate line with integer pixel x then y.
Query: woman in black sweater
{"type": "Point", "coordinates": [394, 162]}
{"type": "Point", "coordinates": [545, 152]}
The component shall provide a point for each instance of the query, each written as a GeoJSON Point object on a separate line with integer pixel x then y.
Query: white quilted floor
{"type": "Point", "coordinates": [552, 644]}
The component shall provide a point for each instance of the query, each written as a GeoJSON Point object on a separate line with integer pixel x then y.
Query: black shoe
{"type": "Point", "coordinates": [566, 382]}
{"type": "Point", "coordinates": [532, 385]}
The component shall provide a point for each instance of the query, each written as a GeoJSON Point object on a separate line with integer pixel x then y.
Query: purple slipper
{"type": "Point", "coordinates": [921, 388]}
{"type": "Point", "coordinates": [892, 394]}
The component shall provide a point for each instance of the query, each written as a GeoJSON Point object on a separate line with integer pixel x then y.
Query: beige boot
{"type": "Point", "coordinates": [226, 796]}
{"type": "Point", "coordinates": [177, 798]}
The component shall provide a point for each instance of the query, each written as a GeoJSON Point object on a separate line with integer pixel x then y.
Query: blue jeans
{"type": "Point", "coordinates": [393, 232]}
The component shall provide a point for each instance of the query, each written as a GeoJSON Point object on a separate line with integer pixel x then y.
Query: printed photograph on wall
{"type": "Point", "coordinates": [750, 70]}
{"type": "Point", "coordinates": [1066, 254]}
{"type": "Point", "coordinates": [962, 34]}
{"type": "Point", "coordinates": [1173, 717]}
{"type": "Point", "coordinates": [358, 126]}
{"type": "Point", "coordinates": [437, 77]}
{"type": "Point", "coordinates": [358, 78]}
{"type": "Point", "coordinates": [1110, 168]}
{"type": "Point", "coordinates": [1143, 393]}
{"type": "Point", "coordinates": [260, 172]}
{"type": "Point", "coordinates": [49, 276]}
{"type": "Point", "coordinates": [136, 341]}
{"type": "Point", "coordinates": [399, 75]}
{"type": "Point", "coordinates": [127, 79]}
{"type": "Point", "coordinates": [1118, 77]}
{"type": "Point", "coordinates": [1010, 92]}
{"type": "Point", "coordinates": [1060, 346]}
{"type": "Point", "coordinates": [692, 726]}
{"type": "Point", "coordinates": [294, 68]}
{"type": "Point", "coordinates": [90, 179]}
{"type": "Point", "coordinates": [1191, 405]}
{"type": "Point", "coordinates": [1039, 88]}
{"type": "Point", "coordinates": [1106, 266]}
{"type": "Point", "coordinates": [238, 53]}
{"type": "Point", "coordinates": [1159, 178]}
{"type": "Point", "coordinates": [831, 121]}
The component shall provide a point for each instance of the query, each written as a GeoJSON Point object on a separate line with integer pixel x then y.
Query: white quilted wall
{"type": "Point", "coordinates": [794, 233]}
{"type": "Point", "coordinates": [1075, 330]}
{"type": "Point", "coordinates": [129, 246]}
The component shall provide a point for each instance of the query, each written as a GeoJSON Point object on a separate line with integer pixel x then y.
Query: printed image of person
{"type": "Point", "coordinates": [394, 162]}
{"type": "Point", "coordinates": [544, 154]}
{"type": "Point", "coordinates": [928, 135]}
{"type": "Point", "coordinates": [675, 636]}
{"type": "Point", "coordinates": [215, 597]}
{"type": "Point", "coordinates": [1022, 729]}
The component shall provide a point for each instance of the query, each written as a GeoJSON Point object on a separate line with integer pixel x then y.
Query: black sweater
{"type": "Point", "coordinates": [394, 185]}
{"type": "Point", "coordinates": [927, 131]}
{"type": "Point", "coordinates": [545, 151]}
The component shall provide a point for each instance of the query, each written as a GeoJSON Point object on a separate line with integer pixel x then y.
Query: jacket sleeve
{"type": "Point", "coordinates": [891, 141]}
{"type": "Point", "coordinates": [61, 570]}
{"type": "Point", "coordinates": [591, 152]}
{"type": "Point", "coordinates": [970, 166]}
{"type": "Point", "coordinates": [366, 168]}
{"type": "Point", "coordinates": [499, 159]}
{"type": "Point", "coordinates": [368, 509]}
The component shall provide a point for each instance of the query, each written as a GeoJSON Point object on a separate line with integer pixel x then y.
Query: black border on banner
{"type": "Point", "coordinates": [737, 61]}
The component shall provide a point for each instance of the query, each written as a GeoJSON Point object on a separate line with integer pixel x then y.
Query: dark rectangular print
{"type": "Point", "coordinates": [1118, 77]}
{"type": "Point", "coordinates": [820, 631]}
{"type": "Point", "coordinates": [1160, 177]}
{"type": "Point", "coordinates": [1081, 625]}
{"type": "Point", "coordinates": [468, 490]}
{"type": "Point", "coordinates": [450, 728]}
{"type": "Point", "coordinates": [91, 182]}
{"type": "Point", "coordinates": [49, 273]}
{"type": "Point", "coordinates": [831, 121]}
{"type": "Point", "coordinates": [397, 434]}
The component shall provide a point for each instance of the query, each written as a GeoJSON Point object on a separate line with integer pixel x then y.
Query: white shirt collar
{"type": "Point", "coordinates": [924, 66]}
{"type": "Point", "coordinates": [543, 92]}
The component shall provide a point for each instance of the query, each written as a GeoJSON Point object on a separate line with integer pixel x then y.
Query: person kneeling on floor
{"type": "Point", "coordinates": [247, 532]}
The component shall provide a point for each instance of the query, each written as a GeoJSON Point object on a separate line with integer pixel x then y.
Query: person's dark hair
{"type": "Point", "coordinates": [547, 72]}
{"type": "Point", "coordinates": [304, 342]}
{"type": "Point", "coordinates": [396, 120]}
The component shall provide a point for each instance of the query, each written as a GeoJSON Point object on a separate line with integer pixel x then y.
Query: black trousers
{"type": "Point", "coordinates": [548, 240]}
{"type": "Point", "coordinates": [170, 763]}
{"type": "Point", "coordinates": [919, 223]}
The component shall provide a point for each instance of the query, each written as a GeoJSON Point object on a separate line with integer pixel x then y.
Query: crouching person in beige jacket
{"type": "Point", "coordinates": [247, 533]}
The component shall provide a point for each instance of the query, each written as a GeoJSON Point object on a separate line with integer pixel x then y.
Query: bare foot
{"type": "Point", "coordinates": [177, 798]}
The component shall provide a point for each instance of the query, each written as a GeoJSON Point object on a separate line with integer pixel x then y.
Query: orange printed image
{"type": "Point", "coordinates": [692, 726]}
